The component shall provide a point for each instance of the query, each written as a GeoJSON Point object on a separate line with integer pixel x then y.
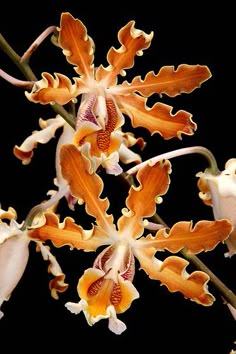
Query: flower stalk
{"type": "Point", "coordinates": [213, 168]}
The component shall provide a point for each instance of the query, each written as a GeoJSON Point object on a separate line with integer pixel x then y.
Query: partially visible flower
{"type": "Point", "coordinates": [106, 289]}
{"type": "Point", "coordinates": [14, 255]}
{"type": "Point", "coordinates": [104, 101]}
{"type": "Point", "coordinates": [219, 191]}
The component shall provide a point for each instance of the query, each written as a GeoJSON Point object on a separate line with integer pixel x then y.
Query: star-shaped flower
{"type": "Point", "coordinates": [104, 102]}
{"type": "Point", "coordinates": [106, 289]}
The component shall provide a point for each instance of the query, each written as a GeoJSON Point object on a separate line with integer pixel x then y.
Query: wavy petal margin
{"type": "Point", "coordinates": [24, 152]}
{"type": "Point", "coordinates": [185, 79]}
{"type": "Point", "coordinates": [158, 118]}
{"type": "Point", "coordinates": [67, 233]}
{"type": "Point", "coordinates": [153, 182]}
{"type": "Point", "coordinates": [204, 236]}
{"type": "Point", "coordinates": [77, 46]}
{"type": "Point", "coordinates": [133, 42]}
{"type": "Point", "coordinates": [84, 186]}
{"type": "Point", "coordinates": [172, 273]}
{"type": "Point", "coordinates": [53, 89]}
{"type": "Point", "coordinates": [57, 284]}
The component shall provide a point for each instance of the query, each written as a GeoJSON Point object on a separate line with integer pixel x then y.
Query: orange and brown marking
{"type": "Point", "coordinates": [103, 136]}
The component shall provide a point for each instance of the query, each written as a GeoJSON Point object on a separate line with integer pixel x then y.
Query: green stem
{"type": "Point", "coordinates": [26, 70]}
{"type": "Point", "coordinates": [22, 65]}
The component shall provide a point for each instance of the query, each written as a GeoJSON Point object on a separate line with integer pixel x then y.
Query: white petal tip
{"type": "Point", "coordinates": [73, 307]}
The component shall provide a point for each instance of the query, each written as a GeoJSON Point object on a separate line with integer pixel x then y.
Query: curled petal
{"type": "Point", "coordinates": [8, 214]}
{"type": "Point", "coordinates": [24, 152]}
{"type": "Point", "coordinates": [204, 193]}
{"type": "Point", "coordinates": [51, 90]}
{"type": "Point", "coordinates": [172, 273]}
{"type": "Point", "coordinates": [158, 118]}
{"type": "Point", "coordinates": [133, 42]}
{"type": "Point", "coordinates": [57, 284]}
{"type": "Point", "coordinates": [169, 81]}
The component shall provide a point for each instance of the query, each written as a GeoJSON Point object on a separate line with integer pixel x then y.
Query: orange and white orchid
{"type": "Point", "coordinates": [14, 255]}
{"type": "Point", "coordinates": [106, 289]}
{"type": "Point", "coordinates": [219, 191]}
{"type": "Point", "coordinates": [104, 102]}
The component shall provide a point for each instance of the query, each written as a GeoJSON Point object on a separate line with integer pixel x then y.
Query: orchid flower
{"type": "Point", "coordinates": [219, 191]}
{"type": "Point", "coordinates": [14, 255]}
{"type": "Point", "coordinates": [104, 102]}
{"type": "Point", "coordinates": [106, 289]}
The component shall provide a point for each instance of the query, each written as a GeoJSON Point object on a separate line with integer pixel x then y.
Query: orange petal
{"type": "Point", "coordinates": [133, 42]}
{"type": "Point", "coordinates": [169, 81]}
{"type": "Point", "coordinates": [84, 186]}
{"type": "Point", "coordinates": [153, 182]}
{"type": "Point", "coordinates": [158, 118]}
{"type": "Point", "coordinates": [172, 273]}
{"type": "Point", "coordinates": [204, 236]}
{"type": "Point", "coordinates": [76, 45]}
{"type": "Point", "coordinates": [51, 90]}
{"type": "Point", "coordinates": [66, 233]}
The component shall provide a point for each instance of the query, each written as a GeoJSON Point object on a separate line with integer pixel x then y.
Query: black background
{"type": "Point", "coordinates": [159, 321]}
